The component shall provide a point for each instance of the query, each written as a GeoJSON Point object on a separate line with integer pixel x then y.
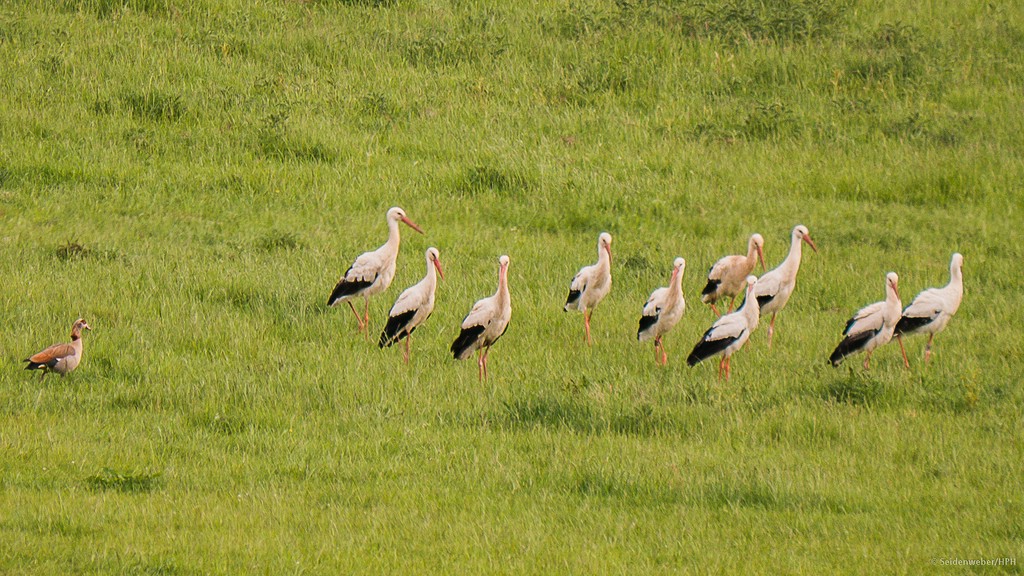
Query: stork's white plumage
{"type": "Point", "coordinates": [776, 286]}
{"type": "Point", "coordinates": [485, 323]}
{"type": "Point", "coordinates": [726, 277]}
{"type": "Point", "coordinates": [372, 272]}
{"type": "Point", "coordinates": [592, 283]}
{"type": "Point", "coordinates": [662, 311]}
{"type": "Point", "coordinates": [872, 326]}
{"type": "Point", "coordinates": [931, 311]}
{"type": "Point", "coordinates": [413, 306]}
{"type": "Point", "coordinates": [729, 333]}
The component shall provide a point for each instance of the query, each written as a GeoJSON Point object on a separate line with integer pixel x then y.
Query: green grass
{"type": "Point", "coordinates": [192, 177]}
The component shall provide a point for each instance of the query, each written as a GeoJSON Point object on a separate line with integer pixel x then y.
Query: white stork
{"type": "Point", "coordinates": [413, 306]}
{"type": "Point", "coordinates": [932, 309]}
{"type": "Point", "coordinates": [729, 333]}
{"type": "Point", "coordinates": [872, 326]}
{"type": "Point", "coordinates": [60, 358]}
{"type": "Point", "coordinates": [662, 311]}
{"type": "Point", "coordinates": [485, 323]}
{"type": "Point", "coordinates": [775, 287]}
{"type": "Point", "coordinates": [726, 277]}
{"type": "Point", "coordinates": [592, 283]}
{"type": "Point", "coordinates": [372, 272]}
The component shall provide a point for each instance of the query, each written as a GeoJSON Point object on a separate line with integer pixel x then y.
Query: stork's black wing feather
{"type": "Point", "coordinates": [850, 344]}
{"type": "Point", "coordinates": [909, 324]}
{"type": "Point", "coordinates": [396, 328]}
{"type": "Point", "coordinates": [464, 343]}
{"type": "Point", "coordinates": [707, 348]}
{"type": "Point", "coordinates": [574, 296]}
{"type": "Point", "coordinates": [348, 288]}
{"type": "Point", "coordinates": [711, 287]}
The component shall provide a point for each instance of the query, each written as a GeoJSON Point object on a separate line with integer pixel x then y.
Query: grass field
{"type": "Point", "coordinates": [193, 177]}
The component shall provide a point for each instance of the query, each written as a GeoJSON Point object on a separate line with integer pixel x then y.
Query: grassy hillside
{"type": "Point", "coordinates": [193, 177]}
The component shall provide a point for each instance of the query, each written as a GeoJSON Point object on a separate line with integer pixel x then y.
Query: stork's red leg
{"type": "Point", "coordinates": [366, 315]}
{"type": "Point", "coordinates": [480, 364]}
{"type": "Point", "coordinates": [359, 318]}
{"type": "Point", "coordinates": [487, 351]}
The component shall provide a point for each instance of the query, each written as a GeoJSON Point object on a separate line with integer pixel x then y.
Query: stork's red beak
{"type": "Point", "coordinates": [760, 256]}
{"type": "Point", "coordinates": [437, 264]}
{"type": "Point", "coordinates": [411, 224]}
{"type": "Point", "coordinates": [807, 238]}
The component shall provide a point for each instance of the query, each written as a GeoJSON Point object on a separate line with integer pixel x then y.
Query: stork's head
{"type": "Point", "coordinates": [751, 281]}
{"type": "Point", "coordinates": [892, 281]}
{"type": "Point", "coordinates": [757, 243]}
{"type": "Point", "coordinates": [396, 214]}
{"type": "Point", "coordinates": [434, 257]}
{"type": "Point", "coordinates": [801, 233]}
{"type": "Point", "coordinates": [604, 242]}
{"type": "Point", "coordinates": [678, 267]}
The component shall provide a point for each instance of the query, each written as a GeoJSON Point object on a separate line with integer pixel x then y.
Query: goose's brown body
{"type": "Point", "coordinates": [60, 358]}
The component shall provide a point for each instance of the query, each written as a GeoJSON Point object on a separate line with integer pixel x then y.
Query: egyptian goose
{"type": "Point", "coordinates": [60, 358]}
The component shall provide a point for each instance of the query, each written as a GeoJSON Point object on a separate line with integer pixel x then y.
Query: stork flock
{"type": "Point", "coordinates": [372, 272]}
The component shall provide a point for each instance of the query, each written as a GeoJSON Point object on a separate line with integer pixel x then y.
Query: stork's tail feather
{"type": "Point", "coordinates": [908, 324]}
{"type": "Point", "coordinates": [645, 323]}
{"type": "Point", "coordinates": [395, 329]}
{"type": "Point", "coordinates": [849, 345]}
{"type": "Point", "coordinates": [707, 348]}
{"type": "Point", "coordinates": [346, 288]}
{"type": "Point", "coordinates": [463, 345]}
{"type": "Point", "coordinates": [572, 299]}
{"type": "Point", "coordinates": [710, 289]}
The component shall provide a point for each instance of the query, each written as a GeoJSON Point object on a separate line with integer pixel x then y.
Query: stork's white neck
{"type": "Point", "coordinates": [675, 288]}
{"type": "Point", "coordinates": [891, 296]}
{"type": "Point", "coordinates": [751, 310]}
{"type": "Point", "coordinates": [956, 276]}
{"type": "Point", "coordinates": [751, 253]}
{"type": "Point", "coordinates": [603, 259]}
{"type": "Point", "coordinates": [502, 294]}
{"type": "Point", "coordinates": [431, 276]}
{"type": "Point", "coordinates": [792, 260]}
{"type": "Point", "coordinates": [393, 233]}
